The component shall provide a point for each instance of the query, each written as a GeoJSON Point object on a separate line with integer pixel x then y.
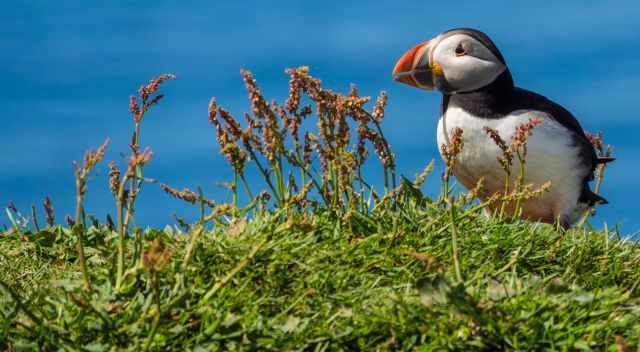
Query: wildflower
{"type": "Point", "coordinates": [90, 160]}
{"type": "Point", "coordinates": [152, 87]}
{"type": "Point", "coordinates": [133, 105]}
{"type": "Point", "coordinates": [506, 159]}
{"type": "Point", "coordinates": [144, 93]}
{"type": "Point", "coordinates": [451, 151]}
{"type": "Point", "coordinates": [272, 129]}
{"type": "Point", "coordinates": [305, 111]}
{"type": "Point", "coordinates": [213, 110]}
{"type": "Point", "coordinates": [235, 155]}
{"type": "Point", "coordinates": [285, 121]}
{"type": "Point", "coordinates": [353, 90]}
{"type": "Point", "coordinates": [522, 133]}
{"type": "Point", "coordinates": [307, 149]}
{"type": "Point", "coordinates": [596, 140]}
{"type": "Point", "coordinates": [232, 125]}
{"type": "Point", "coordinates": [301, 197]}
{"type": "Point", "coordinates": [156, 99]}
{"type": "Point", "coordinates": [293, 100]}
{"type": "Point", "coordinates": [292, 183]}
{"type": "Point", "coordinates": [475, 191]}
{"type": "Point", "coordinates": [48, 210]}
{"type": "Point", "coordinates": [264, 196]}
{"type": "Point", "coordinates": [187, 195]}
{"type": "Point", "coordinates": [156, 258]}
{"type": "Point", "coordinates": [343, 135]}
{"type": "Point", "coordinates": [114, 178]}
{"type": "Point", "coordinates": [259, 105]}
{"type": "Point", "coordinates": [294, 126]}
{"type": "Point", "coordinates": [382, 149]}
{"type": "Point", "coordinates": [378, 109]}
{"type": "Point", "coordinates": [140, 159]}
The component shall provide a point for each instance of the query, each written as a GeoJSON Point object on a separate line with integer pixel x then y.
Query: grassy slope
{"type": "Point", "coordinates": [380, 281]}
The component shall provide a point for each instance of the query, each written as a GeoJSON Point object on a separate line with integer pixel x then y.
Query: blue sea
{"type": "Point", "coordinates": [67, 70]}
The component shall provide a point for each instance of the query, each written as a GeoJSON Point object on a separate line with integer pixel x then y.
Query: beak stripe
{"type": "Point", "coordinates": [406, 62]}
{"type": "Point", "coordinates": [413, 67]}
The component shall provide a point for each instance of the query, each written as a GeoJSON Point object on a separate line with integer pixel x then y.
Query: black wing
{"type": "Point", "coordinates": [529, 100]}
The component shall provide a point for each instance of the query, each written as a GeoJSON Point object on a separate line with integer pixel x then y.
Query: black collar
{"type": "Point", "coordinates": [491, 101]}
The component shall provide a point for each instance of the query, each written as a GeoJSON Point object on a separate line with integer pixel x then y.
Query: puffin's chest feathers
{"type": "Point", "coordinates": [552, 154]}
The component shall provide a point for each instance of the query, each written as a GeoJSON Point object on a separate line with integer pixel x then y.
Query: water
{"type": "Point", "coordinates": [67, 71]}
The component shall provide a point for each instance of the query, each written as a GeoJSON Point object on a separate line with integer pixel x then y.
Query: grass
{"type": "Point", "coordinates": [312, 284]}
{"type": "Point", "coordinates": [328, 266]}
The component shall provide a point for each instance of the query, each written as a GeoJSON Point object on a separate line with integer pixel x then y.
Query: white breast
{"type": "Point", "coordinates": [552, 156]}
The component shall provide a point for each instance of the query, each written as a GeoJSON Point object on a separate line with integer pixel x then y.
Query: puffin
{"type": "Point", "coordinates": [478, 92]}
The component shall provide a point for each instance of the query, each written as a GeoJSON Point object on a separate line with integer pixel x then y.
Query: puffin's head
{"type": "Point", "coordinates": [456, 61]}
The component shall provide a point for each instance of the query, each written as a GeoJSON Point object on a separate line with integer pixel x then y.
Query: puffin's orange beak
{"type": "Point", "coordinates": [414, 68]}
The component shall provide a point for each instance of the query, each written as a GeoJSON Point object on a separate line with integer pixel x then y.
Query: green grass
{"type": "Point", "coordinates": [383, 281]}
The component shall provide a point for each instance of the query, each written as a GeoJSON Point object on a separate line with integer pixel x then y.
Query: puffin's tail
{"type": "Point", "coordinates": [604, 159]}
{"type": "Point", "coordinates": [591, 199]}
{"type": "Point", "coordinates": [594, 198]}
{"type": "Point", "coordinates": [587, 196]}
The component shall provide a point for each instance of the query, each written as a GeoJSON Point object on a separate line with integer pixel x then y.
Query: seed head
{"type": "Point", "coordinates": [307, 150]}
{"type": "Point", "coordinates": [475, 191]}
{"type": "Point", "coordinates": [598, 143]}
{"type": "Point", "coordinates": [378, 109]}
{"type": "Point", "coordinates": [140, 159]}
{"type": "Point", "coordinates": [506, 158]}
{"type": "Point", "coordinates": [259, 105]}
{"type": "Point", "coordinates": [522, 133]}
{"type": "Point", "coordinates": [233, 127]}
{"type": "Point", "coordinates": [305, 111]}
{"type": "Point", "coordinates": [451, 151]}
{"type": "Point", "coordinates": [293, 100]}
{"type": "Point", "coordinates": [114, 178]}
{"type": "Point", "coordinates": [156, 99]}
{"type": "Point", "coordinates": [156, 258]}
{"type": "Point", "coordinates": [48, 210]}
{"type": "Point", "coordinates": [133, 106]}
{"type": "Point", "coordinates": [235, 155]}
{"type": "Point", "coordinates": [301, 198]}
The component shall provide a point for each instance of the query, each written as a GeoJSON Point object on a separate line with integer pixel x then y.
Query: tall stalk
{"type": "Point", "coordinates": [120, 199]}
{"type": "Point", "coordinates": [90, 160]}
{"type": "Point", "coordinates": [79, 231]}
{"type": "Point", "coordinates": [519, 183]}
{"type": "Point", "coordinates": [454, 239]}
{"type": "Point", "coordinates": [126, 197]}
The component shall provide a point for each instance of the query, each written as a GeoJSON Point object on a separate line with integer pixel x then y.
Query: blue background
{"type": "Point", "coordinates": [67, 69]}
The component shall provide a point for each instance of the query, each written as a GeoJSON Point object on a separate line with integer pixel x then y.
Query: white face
{"type": "Point", "coordinates": [466, 63]}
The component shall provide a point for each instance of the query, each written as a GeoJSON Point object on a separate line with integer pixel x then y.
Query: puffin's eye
{"type": "Point", "coordinates": [460, 51]}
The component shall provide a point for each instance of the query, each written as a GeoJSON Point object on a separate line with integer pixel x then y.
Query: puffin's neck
{"type": "Point", "coordinates": [491, 101]}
